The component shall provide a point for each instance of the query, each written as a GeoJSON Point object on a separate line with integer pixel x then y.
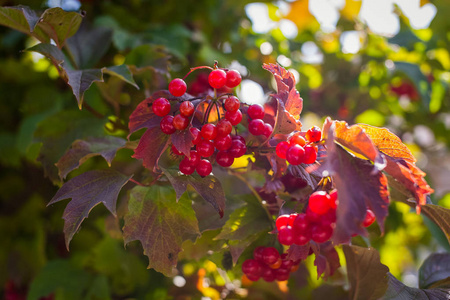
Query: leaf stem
{"type": "Point", "coordinates": [93, 111]}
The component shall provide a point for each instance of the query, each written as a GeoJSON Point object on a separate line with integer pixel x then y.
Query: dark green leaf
{"type": "Point", "coordinates": [81, 80]}
{"type": "Point", "coordinates": [435, 268]}
{"type": "Point", "coordinates": [161, 224]}
{"type": "Point", "coordinates": [122, 72]}
{"type": "Point", "coordinates": [87, 190]}
{"type": "Point", "coordinates": [23, 19]}
{"type": "Point", "coordinates": [398, 291]}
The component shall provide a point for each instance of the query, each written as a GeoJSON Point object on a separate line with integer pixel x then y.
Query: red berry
{"type": "Point", "coordinates": [224, 127]}
{"type": "Point", "coordinates": [205, 148]}
{"type": "Point", "coordinates": [187, 108]}
{"type": "Point", "coordinates": [302, 238]}
{"type": "Point", "coordinates": [232, 103]}
{"type": "Point", "coordinates": [281, 149]}
{"type": "Point", "coordinates": [209, 131]}
{"type": "Point", "coordinates": [186, 167]}
{"type": "Point", "coordinates": [267, 130]}
{"type": "Point", "coordinates": [295, 154]}
{"type": "Point", "coordinates": [286, 264]}
{"type": "Point", "coordinates": [276, 265]}
{"type": "Point", "coordinates": [196, 135]}
{"type": "Point", "coordinates": [217, 78]}
{"type": "Point", "coordinates": [319, 202]}
{"type": "Point", "coordinates": [314, 134]}
{"type": "Point", "coordinates": [270, 255]}
{"type": "Point", "coordinates": [294, 268]}
{"type": "Point", "coordinates": [301, 224]}
{"type": "Point", "coordinates": [235, 117]}
{"type": "Point", "coordinates": [329, 218]}
{"type": "Point", "coordinates": [282, 220]}
{"type": "Point", "coordinates": [257, 253]}
{"type": "Point", "coordinates": [233, 78]}
{"type": "Point", "coordinates": [310, 154]}
{"type": "Point", "coordinates": [237, 148]}
{"type": "Point", "coordinates": [282, 274]}
{"type": "Point", "coordinates": [177, 87]}
{"type": "Point", "coordinates": [369, 218]}
{"type": "Point", "coordinates": [312, 216]}
{"type": "Point", "coordinates": [194, 158]}
{"type": "Point", "coordinates": [166, 125]}
{"type": "Point", "coordinates": [251, 267]}
{"type": "Point", "coordinates": [286, 235]}
{"type": "Point", "coordinates": [180, 122]}
{"type": "Point", "coordinates": [239, 138]}
{"type": "Point", "coordinates": [224, 159]}
{"type": "Point", "coordinates": [161, 107]}
{"type": "Point", "coordinates": [256, 111]}
{"type": "Point", "coordinates": [292, 218]}
{"type": "Point", "coordinates": [297, 140]}
{"type": "Point", "coordinates": [223, 143]}
{"type": "Point", "coordinates": [253, 277]}
{"type": "Point", "coordinates": [333, 199]}
{"type": "Point", "coordinates": [267, 273]}
{"type": "Point", "coordinates": [256, 127]}
{"type": "Point", "coordinates": [321, 234]}
{"type": "Point", "coordinates": [204, 168]}
{"type": "Point", "coordinates": [175, 150]}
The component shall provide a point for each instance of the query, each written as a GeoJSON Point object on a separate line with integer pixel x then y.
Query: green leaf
{"type": "Point", "coordinates": [87, 190]}
{"type": "Point", "coordinates": [367, 275]}
{"type": "Point", "coordinates": [440, 216]}
{"type": "Point", "coordinates": [82, 150]}
{"type": "Point", "coordinates": [435, 268]}
{"type": "Point", "coordinates": [81, 80]}
{"type": "Point", "coordinates": [160, 224]}
{"type": "Point", "coordinates": [23, 19]}
{"type": "Point", "coordinates": [398, 291]}
{"type": "Point", "coordinates": [50, 51]}
{"type": "Point", "coordinates": [122, 72]}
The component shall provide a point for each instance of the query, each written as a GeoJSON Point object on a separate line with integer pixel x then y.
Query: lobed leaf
{"type": "Point", "coordinates": [23, 19]}
{"type": "Point", "coordinates": [296, 252]}
{"type": "Point", "coordinates": [81, 80]}
{"type": "Point", "coordinates": [151, 146]}
{"type": "Point", "coordinates": [327, 259]}
{"type": "Point", "coordinates": [182, 140]}
{"type": "Point", "coordinates": [367, 275]}
{"type": "Point", "coordinates": [82, 150]}
{"type": "Point", "coordinates": [160, 224]}
{"type": "Point", "coordinates": [87, 190]}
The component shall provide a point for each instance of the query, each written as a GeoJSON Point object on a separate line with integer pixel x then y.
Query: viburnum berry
{"type": "Point", "coordinates": [235, 117]}
{"type": "Point", "coordinates": [312, 217]}
{"type": "Point", "coordinates": [224, 127]}
{"type": "Point", "coordinates": [301, 224]}
{"type": "Point", "coordinates": [281, 149]}
{"type": "Point", "coordinates": [321, 234]}
{"type": "Point", "coordinates": [177, 87]}
{"type": "Point", "coordinates": [233, 78]}
{"type": "Point", "coordinates": [224, 158]}
{"type": "Point", "coordinates": [166, 125]}
{"type": "Point", "coordinates": [257, 253]}
{"type": "Point", "coordinates": [205, 148]}
{"type": "Point", "coordinates": [187, 108]}
{"type": "Point", "coordinates": [232, 103]}
{"type": "Point", "coordinates": [223, 143]}
{"type": "Point", "coordinates": [251, 267]}
{"type": "Point", "coordinates": [256, 126]}
{"type": "Point", "coordinates": [237, 148]}
{"type": "Point", "coordinates": [197, 137]}
{"type": "Point", "coordinates": [310, 154]}
{"type": "Point", "coordinates": [208, 131]}
{"type": "Point", "coordinates": [194, 158]}
{"type": "Point", "coordinates": [286, 235]}
{"type": "Point", "coordinates": [204, 168]}
{"type": "Point", "coordinates": [286, 263]}
{"type": "Point", "coordinates": [217, 78]}
{"type": "Point", "coordinates": [334, 199]}
{"type": "Point", "coordinates": [267, 130]}
{"type": "Point", "coordinates": [282, 274]}
{"type": "Point", "coordinates": [161, 107]}
{"type": "Point", "coordinates": [256, 111]}
{"type": "Point", "coordinates": [314, 134]}
{"type": "Point", "coordinates": [297, 140]}
{"type": "Point", "coordinates": [295, 154]}
{"type": "Point", "coordinates": [302, 238]}
{"type": "Point", "coordinates": [270, 255]}
{"type": "Point", "coordinates": [319, 202]}
{"type": "Point", "coordinates": [267, 274]}
{"type": "Point", "coordinates": [180, 122]}
{"type": "Point", "coordinates": [239, 138]}
{"type": "Point", "coordinates": [282, 220]}
{"type": "Point", "coordinates": [369, 218]}
{"type": "Point", "coordinates": [186, 167]}
{"type": "Point", "coordinates": [276, 264]}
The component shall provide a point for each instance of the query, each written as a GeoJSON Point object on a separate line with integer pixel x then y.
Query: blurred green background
{"type": "Point", "coordinates": [384, 63]}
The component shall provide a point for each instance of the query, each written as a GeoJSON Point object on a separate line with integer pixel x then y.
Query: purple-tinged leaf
{"type": "Point", "coordinates": [23, 19]}
{"type": "Point", "coordinates": [82, 150]}
{"type": "Point", "coordinates": [296, 252]}
{"type": "Point", "coordinates": [285, 123]}
{"type": "Point", "coordinates": [151, 146]}
{"type": "Point", "coordinates": [182, 140]}
{"type": "Point", "coordinates": [143, 117]}
{"type": "Point", "coordinates": [367, 275]}
{"type": "Point", "coordinates": [87, 190]}
{"type": "Point", "coordinates": [398, 291]}
{"type": "Point", "coordinates": [439, 215]}
{"type": "Point", "coordinates": [327, 259]}
{"type": "Point", "coordinates": [161, 224]}
{"type": "Point", "coordinates": [81, 80]}
{"type": "Point", "coordinates": [434, 269]}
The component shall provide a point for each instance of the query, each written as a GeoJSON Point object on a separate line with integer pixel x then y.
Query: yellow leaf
{"type": "Point", "coordinates": [351, 9]}
{"type": "Point", "coordinates": [301, 16]}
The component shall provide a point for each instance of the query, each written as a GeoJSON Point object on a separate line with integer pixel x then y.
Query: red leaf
{"type": "Point", "coordinates": [327, 260]}
{"type": "Point", "coordinates": [296, 252]}
{"type": "Point", "coordinates": [182, 140]}
{"type": "Point", "coordinates": [143, 117]}
{"type": "Point", "coordinates": [151, 145]}
{"type": "Point", "coordinates": [87, 190]}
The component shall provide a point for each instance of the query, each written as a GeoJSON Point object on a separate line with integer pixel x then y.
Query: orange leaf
{"type": "Point", "coordinates": [301, 16]}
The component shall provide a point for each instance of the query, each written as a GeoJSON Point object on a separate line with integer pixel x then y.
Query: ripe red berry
{"type": "Point", "coordinates": [166, 125]}
{"type": "Point", "coordinates": [187, 108]}
{"type": "Point", "coordinates": [217, 78]}
{"type": "Point", "coordinates": [256, 126]}
{"type": "Point", "coordinates": [251, 267]}
{"type": "Point", "coordinates": [286, 263]}
{"type": "Point", "coordinates": [209, 131]}
{"type": "Point", "coordinates": [314, 134]}
{"type": "Point", "coordinates": [295, 154]}
{"type": "Point", "coordinates": [282, 274]}
{"type": "Point", "coordinates": [233, 78]}
{"type": "Point", "coordinates": [334, 199]}
{"type": "Point", "coordinates": [312, 217]}
{"type": "Point", "coordinates": [237, 148]}
{"type": "Point", "coordinates": [224, 158]}
{"type": "Point", "coordinates": [319, 202]}
{"type": "Point", "coordinates": [180, 122]}
{"type": "Point", "coordinates": [286, 235]}
{"type": "Point", "coordinates": [196, 135]}
{"type": "Point", "coordinates": [301, 224]}
{"type": "Point", "coordinates": [302, 238]}
{"type": "Point", "coordinates": [186, 167]}
{"type": "Point", "coordinates": [224, 127]}
{"type": "Point", "coordinates": [282, 220]}
{"type": "Point", "coordinates": [267, 130]}
{"type": "Point", "coordinates": [281, 149]}
{"type": "Point", "coordinates": [369, 218]}
{"type": "Point", "coordinates": [256, 111]}
{"type": "Point", "coordinates": [194, 158]}
{"type": "Point", "coordinates": [204, 168]}
{"type": "Point", "coordinates": [267, 273]}
{"type": "Point", "coordinates": [223, 143]}
{"type": "Point", "coordinates": [257, 253]}
{"type": "Point", "coordinates": [235, 117]}
{"type": "Point", "coordinates": [239, 138]}
{"type": "Point", "coordinates": [161, 107]}
{"type": "Point", "coordinates": [177, 87]}
{"type": "Point", "coordinates": [232, 103]}
{"type": "Point", "coordinates": [270, 255]}
{"type": "Point", "coordinates": [310, 154]}
{"type": "Point", "coordinates": [297, 139]}
{"type": "Point", "coordinates": [253, 277]}
{"type": "Point", "coordinates": [205, 148]}
{"type": "Point", "coordinates": [321, 234]}
{"type": "Point", "coordinates": [175, 150]}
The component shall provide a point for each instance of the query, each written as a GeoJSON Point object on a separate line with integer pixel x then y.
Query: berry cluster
{"type": "Point", "coordinates": [269, 265]}
{"type": "Point", "coordinates": [316, 224]}
{"type": "Point", "coordinates": [299, 149]}
{"type": "Point", "coordinates": [257, 126]}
